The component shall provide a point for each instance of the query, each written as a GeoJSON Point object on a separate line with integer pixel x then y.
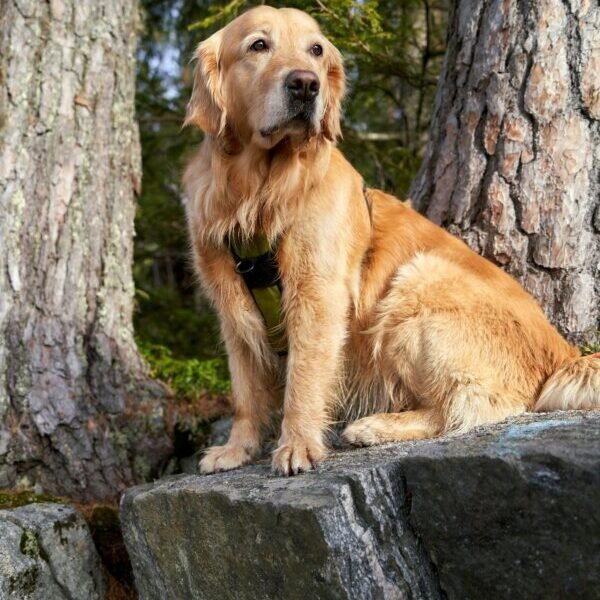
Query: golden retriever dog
{"type": "Point", "coordinates": [387, 316]}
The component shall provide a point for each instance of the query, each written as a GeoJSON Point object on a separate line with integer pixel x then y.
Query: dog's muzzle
{"type": "Point", "coordinates": [302, 88]}
{"type": "Point", "coordinates": [300, 94]}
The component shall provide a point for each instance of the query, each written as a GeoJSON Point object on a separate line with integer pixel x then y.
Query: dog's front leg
{"type": "Point", "coordinates": [253, 396]}
{"type": "Point", "coordinates": [253, 367]}
{"type": "Point", "coordinates": [252, 405]}
{"type": "Point", "coordinates": [316, 322]}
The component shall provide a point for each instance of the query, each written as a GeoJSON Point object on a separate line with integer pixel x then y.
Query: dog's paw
{"type": "Point", "coordinates": [362, 433]}
{"type": "Point", "coordinates": [224, 458]}
{"type": "Point", "coordinates": [297, 456]}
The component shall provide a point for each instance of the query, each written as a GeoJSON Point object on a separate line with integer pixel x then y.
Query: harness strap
{"type": "Point", "coordinates": [256, 262]}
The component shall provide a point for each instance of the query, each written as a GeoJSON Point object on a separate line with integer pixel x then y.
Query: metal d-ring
{"type": "Point", "coordinates": [244, 266]}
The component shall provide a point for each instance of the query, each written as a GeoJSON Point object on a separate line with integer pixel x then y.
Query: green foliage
{"type": "Point", "coordinates": [187, 377]}
{"type": "Point", "coordinates": [392, 50]}
{"type": "Point", "coordinates": [592, 344]}
{"type": "Point", "coordinates": [169, 311]}
{"type": "Point", "coordinates": [217, 13]}
{"type": "Point", "coordinates": [12, 499]}
{"type": "Point", "coordinates": [168, 315]}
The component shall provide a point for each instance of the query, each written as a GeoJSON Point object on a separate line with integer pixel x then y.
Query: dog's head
{"type": "Point", "coordinates": [268, 75]}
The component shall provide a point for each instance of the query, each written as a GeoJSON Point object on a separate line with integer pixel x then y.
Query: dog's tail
{"type": "Point", "coordinates": [575, 385]}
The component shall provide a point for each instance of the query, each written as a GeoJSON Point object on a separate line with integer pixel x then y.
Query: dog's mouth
{"type": "Point", "coordinates": [301, 120]}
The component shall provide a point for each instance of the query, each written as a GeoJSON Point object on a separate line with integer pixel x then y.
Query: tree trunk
{"type": "Point", "coordinates": [513, 161]}
{"type": "Point", "coordinates": [78, 414]}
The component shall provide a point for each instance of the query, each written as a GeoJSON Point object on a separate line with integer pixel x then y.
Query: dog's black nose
{"type": "Point", "coordinates": [302, 85]}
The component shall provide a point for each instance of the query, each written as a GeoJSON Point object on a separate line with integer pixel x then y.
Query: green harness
{"type": "Point", "coordinates": [256, 262]}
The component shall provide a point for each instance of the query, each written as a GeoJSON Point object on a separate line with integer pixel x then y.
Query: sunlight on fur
{"type": "Point", "coordinates": [385, 312]}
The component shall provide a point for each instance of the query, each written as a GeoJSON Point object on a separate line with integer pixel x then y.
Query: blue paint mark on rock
{"type": "Point", "coordinates": [520, 430]}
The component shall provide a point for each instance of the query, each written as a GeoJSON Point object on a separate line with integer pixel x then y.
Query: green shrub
{"type": "Point", "coordinates": [188, 377]}
{"type": "Point", "coordinates": [591, 345]}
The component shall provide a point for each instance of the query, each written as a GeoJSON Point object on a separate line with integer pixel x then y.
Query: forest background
{"type": "Point", "coordinates": [393, 52]}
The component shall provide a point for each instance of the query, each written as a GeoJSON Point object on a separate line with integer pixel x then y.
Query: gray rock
{"type": "Point", "coordinates": [506, 511]}
{"type": "Point", "coordinates": [46, 552]}
{"type": "Point", "coordinates": [219, 434]}
{"type": "Point", "coordinates": [220, 430]}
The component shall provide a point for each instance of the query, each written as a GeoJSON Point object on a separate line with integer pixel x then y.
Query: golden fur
{"type": "Point", "coordinates": [391, 316]}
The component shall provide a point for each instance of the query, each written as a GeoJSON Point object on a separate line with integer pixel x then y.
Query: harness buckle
{"type": "Point", "coordinates": [245, 266]}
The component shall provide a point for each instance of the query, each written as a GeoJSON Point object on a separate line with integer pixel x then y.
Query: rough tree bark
{"type": "Point", "coordinates": [513, 161]}
{"type": "Point", "coordinates": [78, 413]}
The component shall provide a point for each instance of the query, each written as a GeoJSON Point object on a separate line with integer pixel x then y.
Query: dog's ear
{"type": "Point", "coordinates": [336, 88]}
{"type": "Point", "coordinates": [206, 108]}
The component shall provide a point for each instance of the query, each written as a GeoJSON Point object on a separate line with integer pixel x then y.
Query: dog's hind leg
{"type": "Point", "coordinates": [467, 406]}
{"type": "Point", "coordinates": [471, 404]}
{"type": "Point", "coordinates": [394, 427]}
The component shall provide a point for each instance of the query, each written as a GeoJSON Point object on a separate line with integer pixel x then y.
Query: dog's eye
{"type": "Point", "coordinates": [316, 50]}
{"type": "Point", "coordinates": [259, 46]}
